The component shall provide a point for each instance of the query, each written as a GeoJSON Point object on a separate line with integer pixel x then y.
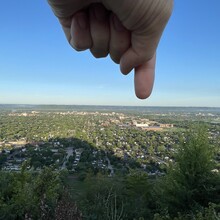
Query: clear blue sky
{"type": "Point", "coordinates": [37, 66]}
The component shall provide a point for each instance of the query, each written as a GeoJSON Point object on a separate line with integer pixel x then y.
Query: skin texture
{"type": "Point", "coordinates": [129, 31]}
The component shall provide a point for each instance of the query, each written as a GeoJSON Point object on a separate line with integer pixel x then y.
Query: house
{"type": "Point", "coordinates": [7, 151]}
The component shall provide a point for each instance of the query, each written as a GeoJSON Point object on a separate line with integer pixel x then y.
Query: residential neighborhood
{"type": "Point", "coordinates": [108, 142]}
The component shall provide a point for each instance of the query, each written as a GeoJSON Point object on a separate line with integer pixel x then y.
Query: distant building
{"type": "Point", "coordinates": [142, 125]}
{"type": "Point", "coordinates": [166, 125]}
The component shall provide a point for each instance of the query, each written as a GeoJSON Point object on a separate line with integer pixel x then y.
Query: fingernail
{"type": "Point", "coordinates": [82, 21]}
{"type": "Point", "coordinates": [117, 24]}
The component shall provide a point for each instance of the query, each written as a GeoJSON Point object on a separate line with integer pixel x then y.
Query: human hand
{"type": "Point", "coordinates": [128, 30]}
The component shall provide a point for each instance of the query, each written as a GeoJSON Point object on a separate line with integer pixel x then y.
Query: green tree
{"type": "Point", "coordinates": [30, 195]}
{"type": "Point", "coordinates": [102, 200]}
{"type": "Point", "coordinates": [138, 195]}
{"type": "Point", "coordinates": [190, 182]}
{"type": "Point", "coordinates": [3, 159]}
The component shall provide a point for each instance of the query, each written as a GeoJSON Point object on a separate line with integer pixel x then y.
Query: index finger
{"type": "Point", "coordinates": [144, 78]}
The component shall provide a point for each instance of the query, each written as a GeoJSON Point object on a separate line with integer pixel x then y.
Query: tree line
{"type": "Point", "coordinates": [189, 190]}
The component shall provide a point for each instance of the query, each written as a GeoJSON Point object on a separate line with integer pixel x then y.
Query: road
{"type": "Point", "coordinates": [110, 167]}
{"type": "Point", "coordinates": [69, 152]}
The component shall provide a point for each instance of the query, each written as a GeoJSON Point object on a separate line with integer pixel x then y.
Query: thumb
{"type": "Point", "coordinates": [142, 49]}
{"type": "Point", "coordinates": [146, 21]}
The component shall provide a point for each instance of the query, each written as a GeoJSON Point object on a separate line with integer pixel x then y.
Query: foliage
{"type": "Point", "coordinates": [189, 190]}
{"type": "Point", "coordinates": [27, 194]}
{"type": "Point", "coordinates": [190, 183]}
{"type": "Point", "coordinates": [208, 213]}
{"type": "Point", "coordinates": [102, 200]}
{"type": "Point", "coordinates": [137, 195]}
{"type": "Point", "coordinates": [66, 209]}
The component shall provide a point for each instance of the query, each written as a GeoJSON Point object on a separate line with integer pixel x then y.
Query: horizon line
{"type": "Point", "coordinates": [104, 105]}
